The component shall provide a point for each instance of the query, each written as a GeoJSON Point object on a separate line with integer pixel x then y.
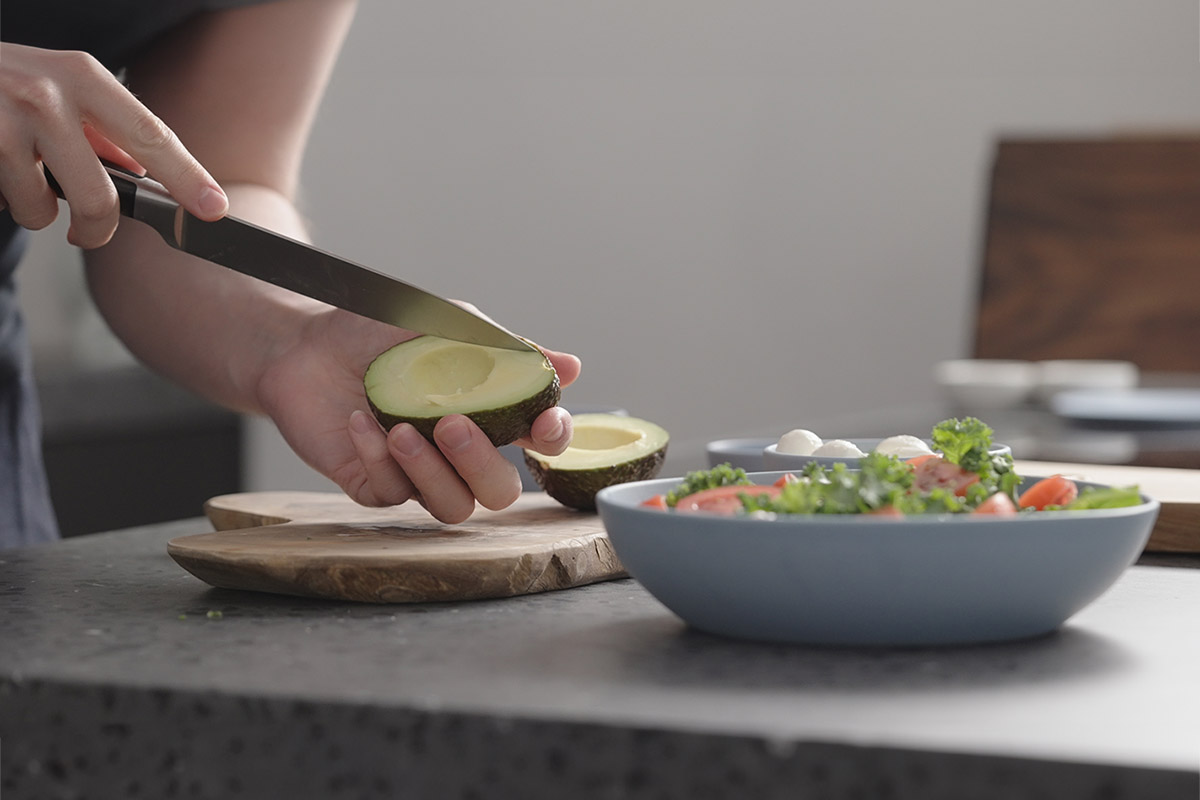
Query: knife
{"type": "Point", "coordinates": [291, 264]}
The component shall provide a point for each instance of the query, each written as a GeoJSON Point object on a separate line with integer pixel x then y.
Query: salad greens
{"type": "Point", "coordinates": [966, 476]}
{"type": "Point", "coordinates": [698, 481]}
{"type": "Point", "coordinates": [968, 443]}
{"type": "Point", "coordinates": [1109, 497]}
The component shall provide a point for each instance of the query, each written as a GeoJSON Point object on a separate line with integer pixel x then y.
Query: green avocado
{"type": "Point", "coordinates": [605, 450]}
{"type": "Point", "coordinates": [424, 379]}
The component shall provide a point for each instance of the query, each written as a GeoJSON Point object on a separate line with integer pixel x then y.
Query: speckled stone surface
{"type": "Point", "coordinates": [123, 676]}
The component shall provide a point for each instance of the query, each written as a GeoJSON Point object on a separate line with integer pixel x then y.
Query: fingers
{"type": "Point", "coordinates": [550, 433]}
{"type": "Point", "coordinates": [27, 196]}
{"type": "Point", "coordinates": [129, 125]}
{"type": "Point", "coordinates": [88, 190]}
{"type": "Point", "coordinates": [64, 109]}
{"type": "Point", "coordinates": [462, 469]}
{"type": "Point", "coordinates": [382, 481]}
{"type": "Point", "coordinates": [566, 365]}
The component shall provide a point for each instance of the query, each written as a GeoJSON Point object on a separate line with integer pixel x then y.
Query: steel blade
{"type": "Point", "coordinates": [282, 261]}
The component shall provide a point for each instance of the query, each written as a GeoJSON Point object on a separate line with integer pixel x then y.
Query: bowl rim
{"type": "Point", "coordinates": [772, 449]}
{"type": "Point", "coordinates": [607, 499]}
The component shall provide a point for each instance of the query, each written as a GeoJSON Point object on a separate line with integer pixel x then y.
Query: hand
{"type": "Point", "coordinates": [314, 393]}
{"type": "Point", "coordinates": [65, 110]}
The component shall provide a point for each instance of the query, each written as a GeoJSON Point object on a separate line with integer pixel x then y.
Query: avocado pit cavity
{"type": "Point", "coordinates": [424, 379]}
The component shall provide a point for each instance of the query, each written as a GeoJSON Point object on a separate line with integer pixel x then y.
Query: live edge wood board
{"type": "Point", "coordinates": [324, 545]}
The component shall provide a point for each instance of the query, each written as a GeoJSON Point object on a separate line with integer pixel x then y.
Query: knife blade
{"type": "Point", "coordinates": [268, 256]}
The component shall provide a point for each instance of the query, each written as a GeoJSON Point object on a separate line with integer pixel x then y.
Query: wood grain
{"type": "Point", "coordinates": [324, 545]}
{"type": "Point", "coordinates": [1092, 250]}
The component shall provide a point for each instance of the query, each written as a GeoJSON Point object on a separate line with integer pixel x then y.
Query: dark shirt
{"type": "Point", "coordinates": [116, 32]}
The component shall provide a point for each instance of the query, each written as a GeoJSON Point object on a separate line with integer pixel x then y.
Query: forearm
{"type": "Point", "coordinates": [213, 330]}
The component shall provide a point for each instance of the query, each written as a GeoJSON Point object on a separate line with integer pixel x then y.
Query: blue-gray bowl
{"type": "Point", "coordinates": [744, 453]}
{"type": "Point", "coordinates": [773, 459]}
{"type": "Point", "coordinates": [860, 580]}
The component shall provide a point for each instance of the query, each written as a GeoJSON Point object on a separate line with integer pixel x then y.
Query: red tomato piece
{"type": "Point", "coordinates": [1053, 491]}
{"type": "Point", "coordinates": [722, 499]}
{"type": "Point", "coordinates": [916, 460]}
{"type": "Point", "coordinates": [934, 472]}
{"type": "Point", "coordinates": [887, 512]}
{"type": "Point", "coordinates": [785, 479]}
{"type": "Point", "coordinates": [659, 501]}
{"type": "Point", "coordinates": [999, 504]}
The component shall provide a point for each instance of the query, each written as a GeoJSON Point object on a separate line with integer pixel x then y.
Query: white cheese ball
{"type": "Point", "coordinates": [904, 446]}
{"type": "Point", "coordinates": [798, 442]}
{"type": "Point", "coordinates": [838, 448]}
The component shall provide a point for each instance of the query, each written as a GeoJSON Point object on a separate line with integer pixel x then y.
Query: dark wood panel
{"type": "Point", "coordinates": [1092, 250]}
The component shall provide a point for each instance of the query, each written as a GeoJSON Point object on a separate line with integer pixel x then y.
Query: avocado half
{"type": "Point", "coordinates": [424, 379]}
{"type": "Point", "coordinates": [605, 450]}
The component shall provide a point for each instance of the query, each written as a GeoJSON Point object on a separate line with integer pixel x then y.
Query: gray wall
{"type": "Point", "coordinates": [742, 215]}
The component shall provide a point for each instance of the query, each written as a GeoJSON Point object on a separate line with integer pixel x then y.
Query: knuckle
{"type": "Point", "coordinates": [97, 205]}
{"type": "Point", "coordinates": [151, 133]}
{"type": "Point", "coordinates": [38, 95]}
{"type": "Point", "coordinates": [82, 63]}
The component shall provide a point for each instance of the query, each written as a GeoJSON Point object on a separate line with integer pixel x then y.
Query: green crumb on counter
{"type": "Point", "coordinates": [183, 616]}
{"type": "Point", "coordinates": [214, 614]}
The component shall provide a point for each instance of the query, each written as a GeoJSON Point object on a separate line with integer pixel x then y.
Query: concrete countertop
{"type": "Point", "coordinates": [122, 675]}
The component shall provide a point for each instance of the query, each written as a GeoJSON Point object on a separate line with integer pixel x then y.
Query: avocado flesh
{"type": "Point", "coordinates": [605, 450]}
{"type": "Point", "coordinates": [424, 379]}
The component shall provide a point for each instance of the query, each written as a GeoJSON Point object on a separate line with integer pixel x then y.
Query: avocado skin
{"type": "Point", "coordinates": [577, 488]}
{"type": "Point", "coordinates": [503, 425]}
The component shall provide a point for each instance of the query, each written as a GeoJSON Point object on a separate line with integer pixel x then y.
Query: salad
{"type": "Point", "coordinates": [961, 477]}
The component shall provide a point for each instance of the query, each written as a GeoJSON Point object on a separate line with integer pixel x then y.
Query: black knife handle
{"type": "Point", "coordinates": [124, 181]}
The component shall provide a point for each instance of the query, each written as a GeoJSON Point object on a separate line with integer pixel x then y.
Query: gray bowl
{"type": "Point", "coordinates": [773, 459]}
{"type": "Point", "coordinates": [744, 453]}
{"type": "Point", "coordinates": [853, 580]}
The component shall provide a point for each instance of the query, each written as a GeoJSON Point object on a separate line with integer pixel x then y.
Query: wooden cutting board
{"type": "Point", "coordinates": [1177, 529]}
{"type": "Point", "coordinates": [322, 544]}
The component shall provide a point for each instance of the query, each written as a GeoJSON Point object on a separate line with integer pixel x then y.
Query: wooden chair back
{"type": "Point", "coordinates": [1092, 250]}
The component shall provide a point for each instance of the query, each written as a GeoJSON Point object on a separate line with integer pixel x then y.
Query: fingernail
{"type": "Point", "coordinates": [213, 201]}
{"type": "Point", "coordinates": [454, 435]}
{"type": "Point", "coordinates": [407, 441]}
{"type": "Point", "coordinates": [556, 431]}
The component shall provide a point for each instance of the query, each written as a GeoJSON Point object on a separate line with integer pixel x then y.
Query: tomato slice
{"type": "Point", "coordinates": [785, 479]}
{"type": "Point", "coordinates": [999, 504]}
{"type": "Point", "coordinates": [887, 512]}
{"type": "Point", "coordinates": [916, 460]}
{"type": "Point", "coordinates": [1053, 491]}
{"type": "Point", "coordinates": [659, 501]}
{"type": "Point", "coordinates": [934, 472]}
{"type": "Point", "coordinates": [722, 499]}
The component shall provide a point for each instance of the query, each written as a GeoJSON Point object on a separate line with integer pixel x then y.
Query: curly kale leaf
{"type": "Point", "coordinates": [965, 442]}
{"type": "Point", "coordinates": [968, 443]}
{"type": "Point", "coordinates": [879, 482]}
{"type": "Point", "coordinates": [720, 475]}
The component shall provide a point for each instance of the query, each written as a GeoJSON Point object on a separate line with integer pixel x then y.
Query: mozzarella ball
{"type": "Point", "coordinates": [798, 442]}
{"type": "Point", "coordinates": [838, 448]}
{"type": "Point", "coordinates": [903, 446]}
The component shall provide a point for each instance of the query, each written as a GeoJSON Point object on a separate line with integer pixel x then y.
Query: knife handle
{"type": "Point", "coordinates": [124, 180]}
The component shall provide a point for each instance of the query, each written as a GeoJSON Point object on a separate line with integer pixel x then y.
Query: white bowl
{"type": "Point", "coordinates": [773, 459]}
{"type": "Point", "coordinates": [978, 384]}
{"type": "Point", "coordinates": [861, 580]}
{"type": "Point", "coordinates": [1066, 374]}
